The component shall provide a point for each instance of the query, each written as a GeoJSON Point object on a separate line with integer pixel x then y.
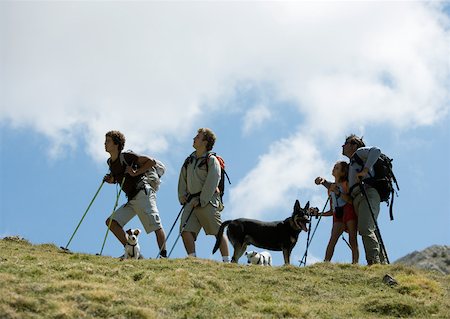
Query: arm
{"type": "Point", "coordinates": [370, 155]}
{"type": "Point", "coordinates": [322, 181]}
{"type": "Point", "coordinates": [182, 185]}
{"type": "Point", "coordinates": [317, 213]}
{"type": "Point", "coordinates": [211, 182]}
{"type": "Point", "coordinates": [143, 163]}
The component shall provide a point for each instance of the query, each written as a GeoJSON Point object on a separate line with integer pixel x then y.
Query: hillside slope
{"type": "Point", "coordinates": [38, 281]}
{"type": "Point", "coordinates": [435, 257]}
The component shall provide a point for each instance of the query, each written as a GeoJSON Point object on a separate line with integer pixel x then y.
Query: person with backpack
{"type": "Point", "coordinates": [341, 208]}
{"type": "Point", "coordinates": [131, 171]}
{"type": "Point", "coordinates": [362, 160]}
{"type": "Point", "coordinates": [198, 191]}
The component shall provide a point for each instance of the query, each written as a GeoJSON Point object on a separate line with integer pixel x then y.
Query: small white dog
{"type": "Point", "coordinates": [132, 248]}
{"type": "Point", "coordinates": [263, 258]}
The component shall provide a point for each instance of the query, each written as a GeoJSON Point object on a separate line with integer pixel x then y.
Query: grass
{"type": "Point", "coordinates": [38, 281]}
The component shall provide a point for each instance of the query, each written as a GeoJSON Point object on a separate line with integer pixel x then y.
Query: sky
{"type": "Point", "coordinates": [280, 83]}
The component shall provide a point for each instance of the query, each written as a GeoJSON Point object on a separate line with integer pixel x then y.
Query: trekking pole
{"type": "Point", "coordinates": [170, 232]}
{"type": "Point", "coordinates": [309, 240]}
{"type": "Point", "coordinates": [188, 199]}
{"type": "Point", "coordinates": [181, 231]}
{"type": "Point", "coordinates": [112, 215]}
{"type": "Point", "coordinates": [348, 244]}
{"type": "Point", "coordinates": [377, 229]}
{"type": "Point", "coordinates": [307, 245]}
{"type": "Point", "coordinates": [87, 209]}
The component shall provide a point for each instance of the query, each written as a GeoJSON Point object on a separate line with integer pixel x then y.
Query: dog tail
{"type": "Point", "coordinates": [220, 235]}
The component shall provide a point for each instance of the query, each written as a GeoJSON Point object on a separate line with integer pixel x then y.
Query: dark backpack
{"type": "Point", "coordinates": [223, 173]}
{"type": "Point", "coordinates": [384, 179]}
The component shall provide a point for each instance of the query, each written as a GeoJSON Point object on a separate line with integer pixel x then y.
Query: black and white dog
{"type": "Point", "coordinates": [132, 248]}
{"type": "Point", "coordinates": [278, 235]}
{"type": "Point", "coordinates": [263, 258]}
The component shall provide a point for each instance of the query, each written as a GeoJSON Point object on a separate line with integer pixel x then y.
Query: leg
{"type": "Point", "coordinates": [239, 250]}
{"type": "Point", "coordinates": [336, 231]}
{"type": "Point", "coordinates": [189, 228]}
{"type": "Point", "coordinates": [189, 242]}
{"type": "Point", "coordinates": [121, 217]}
{"type": "Point", "coordinates": [117, 230]}
{"type": "Point", "coordinates": [366, 224]}
{"type": "Point", "coordinates": [161, 240]}
{"type": "Point", "coordinates": [287, 255]}
{"type": "Point", "coordinates": [209, 219]}
{"type": "Point", "coordinates": [224, 246]}
{"type": "Point", "coordinates": [353, 240]}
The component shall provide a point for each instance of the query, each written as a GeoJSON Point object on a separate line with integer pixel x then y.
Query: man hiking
{"type": "Point", "coordinates": [130, 168]}
{"type": "Point", "coordinates": [198, 191]}
{"type": "Point", "coordinates": [358, 172]}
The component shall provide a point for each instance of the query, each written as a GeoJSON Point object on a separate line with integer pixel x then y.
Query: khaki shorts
{"type": "Point", "coordinates": [206, 217]}
{"type": "Point", "coordinates": [143, 205]}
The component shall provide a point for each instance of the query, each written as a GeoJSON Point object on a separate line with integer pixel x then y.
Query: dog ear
{"type": "Point", "coordinates": [129, 231]}
{"type": "Point", "coordinates": [306, 206]}
{"type": "Point", "coordinates": [137, 232]}
{"type": "Point", "coordinates": [297, 205]}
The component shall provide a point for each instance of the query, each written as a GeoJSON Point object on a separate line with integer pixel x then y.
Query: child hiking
{"type": "Point", "coordinates": [341, 208]}
{"type": "Point", "coordinates": [130, 168]}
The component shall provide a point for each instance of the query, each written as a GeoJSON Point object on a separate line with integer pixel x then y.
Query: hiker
{"type": "Point", "coordinates": [341, 208]}
{"type": "Point", "coordinates": [140, 194]}
{"type": "Point", "coordinates": [198, 191]}
{"type": "Point", "coordinates": [357, 173]}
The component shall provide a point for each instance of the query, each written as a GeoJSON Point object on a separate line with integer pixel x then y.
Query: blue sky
{"type": "Point", "coordinates": [281, 84]}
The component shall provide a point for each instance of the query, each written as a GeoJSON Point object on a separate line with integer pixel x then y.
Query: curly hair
{"type": "Point", "coordinates": [209, 136]}
{"type": "Point", "coordinates": [118, 139]}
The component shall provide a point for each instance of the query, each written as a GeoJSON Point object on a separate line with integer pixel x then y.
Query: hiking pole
{"type": "Point", "coordinates": [307, 245]}
{"type": "Point", "coordinates": [170, 232]}
{"type": "Point", "coordinates": [112, 215]}
{"type": "Point", "coordinates": [348, 244]}
{"type": "Point", "coordinates": [87, 209]}
{"type": "Point", "coordinates": [377, 229]}
{"type": "Point", "coordinates": [188, 199]}
{"type": "Point", "coordinates": [181, 231]}
{"type": "Point", "coordinates": [309, 240]}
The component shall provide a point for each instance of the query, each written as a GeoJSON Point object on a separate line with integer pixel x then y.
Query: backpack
{"type": "Point", "coordinates": [383, 179]}
{"type": "Point", "coordinates": [152, 176]}
{"type": "Point", "coordinates": [223, 173]}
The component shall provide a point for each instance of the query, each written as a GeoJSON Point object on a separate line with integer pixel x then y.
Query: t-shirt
{"type": "Point", "coordinates": [118, 172]}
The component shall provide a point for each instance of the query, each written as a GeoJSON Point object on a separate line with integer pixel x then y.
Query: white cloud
{"type": "Point", "coordinates": [255, 117]}
{"type": "Point", "coordinates": [152, 69]}
{"type": "Point", "coordinates": [290, 164]}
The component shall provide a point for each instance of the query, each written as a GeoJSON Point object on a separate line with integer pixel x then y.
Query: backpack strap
{"type": "Point", "coordinates": [188, 160]}
{"type": "Point", "coordinates": [121, 159]}
{"type": "Point", "coordinates": [205, 161]}
{"type": "Point", "coordinates": [391, 214]}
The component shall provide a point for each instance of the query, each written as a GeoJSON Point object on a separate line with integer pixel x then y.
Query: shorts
{"type": "Point", "coordinates": [206, 217]}
{"type": "Point", "coordinates": [349, 214]}
{"type": "Point", "coordinates": [143, 205]}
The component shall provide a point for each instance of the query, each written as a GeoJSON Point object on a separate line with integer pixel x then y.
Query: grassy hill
{"type": "Point", "coordinates": [38, 281]}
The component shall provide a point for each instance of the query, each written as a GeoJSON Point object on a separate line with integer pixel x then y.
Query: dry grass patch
{"type": "Point", "coordinates": [40, 282]}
